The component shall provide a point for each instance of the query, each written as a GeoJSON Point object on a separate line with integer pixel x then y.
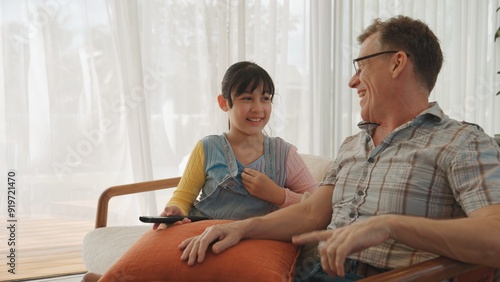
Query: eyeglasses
{"type": "Point", "coordinates": [355, 62]}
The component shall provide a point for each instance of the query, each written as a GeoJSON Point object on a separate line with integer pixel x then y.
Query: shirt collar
{"type": "Point", "coordinates": [434, 112]}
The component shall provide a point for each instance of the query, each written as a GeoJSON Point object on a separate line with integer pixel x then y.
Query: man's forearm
{"type": "Point", "coordinates": [313, 214]}
{"type": "Point", "coordinates": [474, 239]}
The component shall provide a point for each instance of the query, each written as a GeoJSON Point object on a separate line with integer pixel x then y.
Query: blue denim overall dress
{"type": "Point", "coordinates": [223, 195]}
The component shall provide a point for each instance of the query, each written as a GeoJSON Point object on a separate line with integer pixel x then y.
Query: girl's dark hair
{"type": "Point", "coordinates": [245, 77]}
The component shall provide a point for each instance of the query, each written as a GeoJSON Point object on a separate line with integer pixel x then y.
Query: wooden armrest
{"type": "Point", "coordinates": [437, 269]}
{"type": "Point", "coordinates": [102, 204]}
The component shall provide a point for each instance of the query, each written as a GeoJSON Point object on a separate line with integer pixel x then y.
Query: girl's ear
{"type": "Point", "coordinates": [222, 103]}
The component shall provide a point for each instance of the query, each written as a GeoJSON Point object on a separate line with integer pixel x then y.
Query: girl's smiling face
{"type": "Point", "coordinates": [250, 111]}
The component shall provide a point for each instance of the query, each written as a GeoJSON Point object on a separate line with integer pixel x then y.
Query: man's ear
{"type": "Point", "coordinates": [400, 62]}
{"type": "Point", "coordinates": [222, 103]}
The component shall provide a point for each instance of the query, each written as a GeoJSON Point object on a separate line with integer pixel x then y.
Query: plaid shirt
{"type": "Point", "coordinates": [432, 167]}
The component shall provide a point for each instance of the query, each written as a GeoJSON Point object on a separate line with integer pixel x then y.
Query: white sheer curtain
{"type": "Point", "coordinates": [96, 93]}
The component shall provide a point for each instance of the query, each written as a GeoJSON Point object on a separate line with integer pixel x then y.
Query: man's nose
{"type": "Point", "coordinates": [354, 81]}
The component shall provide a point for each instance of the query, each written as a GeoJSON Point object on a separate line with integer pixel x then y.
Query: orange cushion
{"type": "Point", "coordinates": [156, 257]}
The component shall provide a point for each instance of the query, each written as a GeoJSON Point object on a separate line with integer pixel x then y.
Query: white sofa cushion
{"type": "Point", "coordinates": [102, 247]}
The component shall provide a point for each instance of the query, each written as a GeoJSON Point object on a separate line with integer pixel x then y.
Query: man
{"type": "Point", "coordinates": [413, 184]}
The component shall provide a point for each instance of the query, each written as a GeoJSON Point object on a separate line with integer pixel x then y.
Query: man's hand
{"type": "Point", "coordinates": [195, 248]}
{"type": "Point", "coordinates": [335, 245]}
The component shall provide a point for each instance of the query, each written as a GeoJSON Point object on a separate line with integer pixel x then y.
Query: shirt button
{"type": "Point", "coordinates": [368, 139]}
{"type": "Point", "coordinates": [370, 160]}
{"type": "Point", "coordinates": [230, 184]}
{"type": "Point", "coordinates": [352, 215]}
{"type": "Point", "coordinates": [360, 193]}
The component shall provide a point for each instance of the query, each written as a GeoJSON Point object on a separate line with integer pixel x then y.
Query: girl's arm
{"type": "Point", "coordinates": [298, 178]}
{"type": "Point", "coordinates": [191, 182]}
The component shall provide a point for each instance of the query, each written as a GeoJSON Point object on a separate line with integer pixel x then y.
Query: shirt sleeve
{"type": "Point", "coordinates": [191, 182]}
{"type": "Point", "coordinates": [474, 174]}
{"type": "Point", "coordinates": [298, 178]}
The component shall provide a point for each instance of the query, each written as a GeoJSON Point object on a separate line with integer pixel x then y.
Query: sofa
{"type": "Point", "coordinates": [104, 245]}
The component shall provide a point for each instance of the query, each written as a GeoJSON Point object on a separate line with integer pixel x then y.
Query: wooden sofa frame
{"type": "Point", "coordinates": [437, 269]}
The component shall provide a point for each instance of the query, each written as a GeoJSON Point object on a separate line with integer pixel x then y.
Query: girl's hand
{"type": "Point", "coordinates": [261, 186]}
{"type": "Point", "coordinates": [170, 210]}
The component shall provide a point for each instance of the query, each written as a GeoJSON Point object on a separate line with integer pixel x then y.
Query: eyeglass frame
{"type": "Point", "coordinates": [357, 70]}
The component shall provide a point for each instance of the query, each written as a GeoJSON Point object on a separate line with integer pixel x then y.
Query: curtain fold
{"type": "Point", "coordinates": [321, 82]}
{"type": "Point", "coordinates": [124, 20]}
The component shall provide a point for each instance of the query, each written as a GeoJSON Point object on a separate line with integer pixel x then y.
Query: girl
{"type": "Point", "coordinates": [242, 173]}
